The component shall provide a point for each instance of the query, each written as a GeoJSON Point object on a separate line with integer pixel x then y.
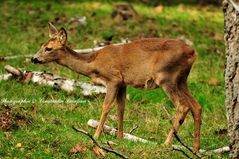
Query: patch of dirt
{"type": "Point", "coordinates": [5, 118]}
{"type": "Point", "coordinates": [12, 119]}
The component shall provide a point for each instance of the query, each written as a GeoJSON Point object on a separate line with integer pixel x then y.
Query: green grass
{"type": "Point", "coordinates": [24, 28]}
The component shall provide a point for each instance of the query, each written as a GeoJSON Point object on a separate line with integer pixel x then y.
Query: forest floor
{"type": "Point", "coordinates": [43, 130]}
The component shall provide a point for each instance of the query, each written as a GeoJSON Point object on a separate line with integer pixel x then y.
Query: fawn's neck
{"type": "Point", "coordinates": [79, 62]}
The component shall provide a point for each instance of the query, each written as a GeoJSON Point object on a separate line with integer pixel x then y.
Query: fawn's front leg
{"type": "Point", "coordinates": [112, 90]}
{"type": "Point", "coordinates": [120, 100]}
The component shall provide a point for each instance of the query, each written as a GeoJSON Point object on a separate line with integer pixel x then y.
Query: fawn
{"type": "Point", "coordinates": [148, 63]}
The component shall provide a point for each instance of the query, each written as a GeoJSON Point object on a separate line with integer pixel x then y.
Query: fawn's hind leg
{"type": "Point", "coordinates": [120, 100]}
{"type": "Point", "coordinates": [182, 108]}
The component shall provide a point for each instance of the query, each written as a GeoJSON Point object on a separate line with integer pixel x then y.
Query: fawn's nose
{"type": "Point", "coordinates": [35, 60]}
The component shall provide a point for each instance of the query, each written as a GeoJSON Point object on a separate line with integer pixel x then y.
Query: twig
{"type": "Point", "coordinates": [109, 145]}
{"type": "Point", "coordinates": [218, 150]}
{"type": "Point", "coordinates": [177, 137]}
{"type": "Point", "coordinates": [180, 150]}
{"type": "Point", "coordinates": [133, 129]}
{"type": "Point", "coordinates": [97, 144]}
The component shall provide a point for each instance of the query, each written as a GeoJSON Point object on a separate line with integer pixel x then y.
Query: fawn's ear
{"type": "Point", "coordinates": [62, 36]}
{"type": "Point", "coordinates": [52, 30]}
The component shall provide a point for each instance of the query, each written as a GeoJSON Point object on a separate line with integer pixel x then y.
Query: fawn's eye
{"type": "Point", "coordinates": [48, 49]}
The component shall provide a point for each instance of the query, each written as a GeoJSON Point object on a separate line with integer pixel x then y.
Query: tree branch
{"type": "Point", "coordinates": [112, 131]}
{"type": "Point", "coordinates": [44, 78]}
{"type": "Point", "coordinates": [183, 152]}
{"type": "Point", "coordinates": [133, 129]}
{"type": "Point", "coordinates": [97, 144]}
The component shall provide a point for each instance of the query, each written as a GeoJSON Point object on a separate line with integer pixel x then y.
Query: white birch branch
{"type": "Point", "coordinates": [112, 131]}
{"type": "Point", "coordinates": [43, 78]}
{"type": "Point", "coordinates": [217, 151]}
{"type": "Point", "coordinates": [5, 76]}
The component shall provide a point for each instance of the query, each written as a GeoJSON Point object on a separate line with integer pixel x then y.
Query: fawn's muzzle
{"type": "Point", "coordinates": [35, 60]}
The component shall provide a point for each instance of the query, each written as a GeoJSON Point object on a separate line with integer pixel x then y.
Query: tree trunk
{"type": "Point", "coordinates": [231, 36]}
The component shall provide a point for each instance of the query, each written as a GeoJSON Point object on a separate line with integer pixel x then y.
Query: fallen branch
{"type": "Point", "coordinates": [183, 152]}
{"type": "Point", "coordinates": [88, 50]}
{"type": "Point", "coordinates": [43, 78]}
{"type": "Point", "coordinates": [215, 151]}
{"type": "Point", "coordinates": [133, 129]}
{"type": "Point", "coordinates": [97, 144]}
{"type": "Point", "coordinates": [112, 131]}
{"type": "Point", "coordinates": [5, 77]}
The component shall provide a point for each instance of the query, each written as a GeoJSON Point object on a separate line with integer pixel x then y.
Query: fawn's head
{"type": "Point", "coordinates": [53, 49]}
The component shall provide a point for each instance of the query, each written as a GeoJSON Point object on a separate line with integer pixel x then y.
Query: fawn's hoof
{"type": "Point", "coordinates": [119, 135]}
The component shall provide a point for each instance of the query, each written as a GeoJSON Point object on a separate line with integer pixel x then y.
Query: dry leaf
{"type": "Point", "coordinates": [145, 154]}
{"type": "Point", "coordinates": [118, 19]}
{"type": "Point", "coordinates": [47, 150]}
{"type": "Point", "coordinates": [99, 152]}
{"type": "Point", "coordinates": [213, 81]}
{"type": "Point", "coordinates": [128, 96]}
{"type": "Point", "coordinates": [19, 145]}
{"type": "Point", "coordinates": [113, 117]}
{"type": "Point", "coordinates": [158, 9]}
{"type": "Point", "coordinates": [77, 148]}
{"type": "Point", "coordinates": [95, 5]}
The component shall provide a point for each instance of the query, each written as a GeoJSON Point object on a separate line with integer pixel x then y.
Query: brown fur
{"type": "Point", "coordinates": [148, 64]}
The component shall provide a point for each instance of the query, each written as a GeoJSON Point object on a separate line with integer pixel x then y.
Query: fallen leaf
{"type": "Point", "coordinates": [95, 5]}
{"type": "Point", "coordinates": [113, 117]}
{"type": "Point", "coordinates": [158, 9]}
{"type": "Point", "coordinates": [158, 150]}
{"type": "Point", "coordinates": [145, 154]}
{"type": "Point", "coordinates": [77, 148]}
{"type": "Point", "coordinates": [18, 145]}
{"type": "Point", "coordinates": [118, 19]}
{"type": "Point", "coordinates": [47, 150]}
{"type": "Point", "coordinates": [213, 81]}
{"type": "Point", "coordinates": [84, 149]}
{"type": "Point", "coordinates": [98, 152]}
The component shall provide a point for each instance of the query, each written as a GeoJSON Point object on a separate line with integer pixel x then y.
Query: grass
{"type": "Point", "coordinates": [49, 134]}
